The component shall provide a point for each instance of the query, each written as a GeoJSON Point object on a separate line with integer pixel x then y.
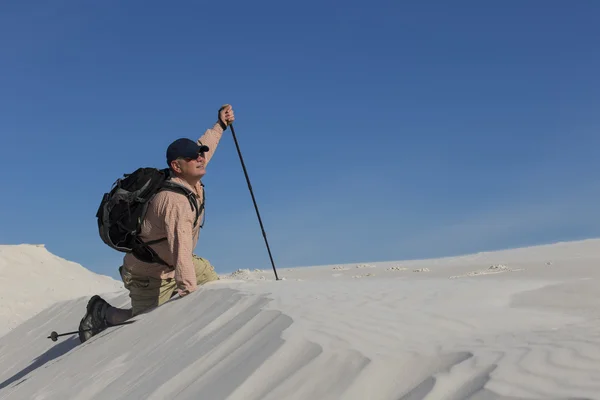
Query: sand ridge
{"type": "Point", "coordinates": [320, 333]}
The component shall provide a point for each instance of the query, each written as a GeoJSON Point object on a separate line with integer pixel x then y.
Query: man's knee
{"type": "Point", "coordinates": [146, 292]}
{"type": "Point", "coordinates": [205, 272]}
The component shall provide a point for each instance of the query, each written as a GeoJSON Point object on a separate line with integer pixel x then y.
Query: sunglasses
{"type": "Point", "coordinates": [188, 159]}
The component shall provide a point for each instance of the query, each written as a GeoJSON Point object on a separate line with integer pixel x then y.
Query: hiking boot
{"type": "Point", "coordinates": [94, 320]}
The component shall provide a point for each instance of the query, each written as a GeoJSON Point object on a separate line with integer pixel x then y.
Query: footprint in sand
{"type": "Point", "coordinates": [396, 268]}
{"type": "Point", "coordinates": [363, 276]}
{"type": "Point", "coordinates": [365, 266]}
{"type": "Point", "coordinates": [421, 270]}
{"type": "Point", "coordinates": [340, 268]}
{"type": "Point", "coordinates": [494, 269]}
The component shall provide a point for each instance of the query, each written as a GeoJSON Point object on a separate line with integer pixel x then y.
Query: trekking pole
{"type": "Point", "coordinates": [55, 335]}
{"type": "Point", "coordinates": [253, 200]}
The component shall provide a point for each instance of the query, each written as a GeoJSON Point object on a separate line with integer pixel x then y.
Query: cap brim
{"type": "Point", "coordinates": [193, 153]}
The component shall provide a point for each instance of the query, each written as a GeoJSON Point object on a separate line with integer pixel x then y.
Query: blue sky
{"type": "Point", "coordinates": [375, 131]}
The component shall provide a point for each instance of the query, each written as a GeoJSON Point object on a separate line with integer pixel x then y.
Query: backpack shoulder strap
{"type": "Point", "coordinates": [174, 187]}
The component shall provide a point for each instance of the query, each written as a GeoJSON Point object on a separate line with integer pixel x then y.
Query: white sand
{"type": "Point", "coordinates": [32, 278]}
{"type": "Point", "coordinates": [516, 324]}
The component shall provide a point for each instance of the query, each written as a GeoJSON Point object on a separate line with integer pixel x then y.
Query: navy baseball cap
{"type": "Point", "coordinates": [185, 148]}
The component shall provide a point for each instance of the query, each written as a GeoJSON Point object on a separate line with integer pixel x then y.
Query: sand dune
{"type": "Point", "coordinates": [528, 333]}
{"type": "Point", "coordinates": [32, 278]}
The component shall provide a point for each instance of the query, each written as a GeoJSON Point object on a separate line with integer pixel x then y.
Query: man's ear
{"type": "Point", "coordinates": [175, 166]}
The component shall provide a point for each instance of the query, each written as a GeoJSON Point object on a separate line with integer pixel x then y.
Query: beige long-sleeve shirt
{"type": "Point", "coordinates": [170, 215]}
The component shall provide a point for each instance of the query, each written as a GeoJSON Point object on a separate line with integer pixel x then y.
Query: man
{"type": "Point", "coordinates": [169, 215]}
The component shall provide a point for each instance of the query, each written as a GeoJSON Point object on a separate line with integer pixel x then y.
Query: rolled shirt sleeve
{"type": "Point", "coordinates": [211, 138]}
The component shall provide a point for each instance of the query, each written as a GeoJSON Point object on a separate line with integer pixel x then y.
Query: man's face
{"type": "Point", "coordinates": [191, 168]}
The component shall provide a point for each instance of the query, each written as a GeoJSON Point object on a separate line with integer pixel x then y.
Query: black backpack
{"type": "Point", "coordinates": [123, 209]}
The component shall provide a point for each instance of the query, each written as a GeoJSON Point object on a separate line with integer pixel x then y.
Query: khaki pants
{"type": "Point", "coordinates": [148, 292]}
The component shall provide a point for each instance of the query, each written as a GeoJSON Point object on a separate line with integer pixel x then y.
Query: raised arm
{"type": "Point", "coordinates": [212, 136]}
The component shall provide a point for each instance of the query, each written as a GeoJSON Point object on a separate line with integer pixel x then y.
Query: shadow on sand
{"type": "Point", "coordinates": [55, 352]}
